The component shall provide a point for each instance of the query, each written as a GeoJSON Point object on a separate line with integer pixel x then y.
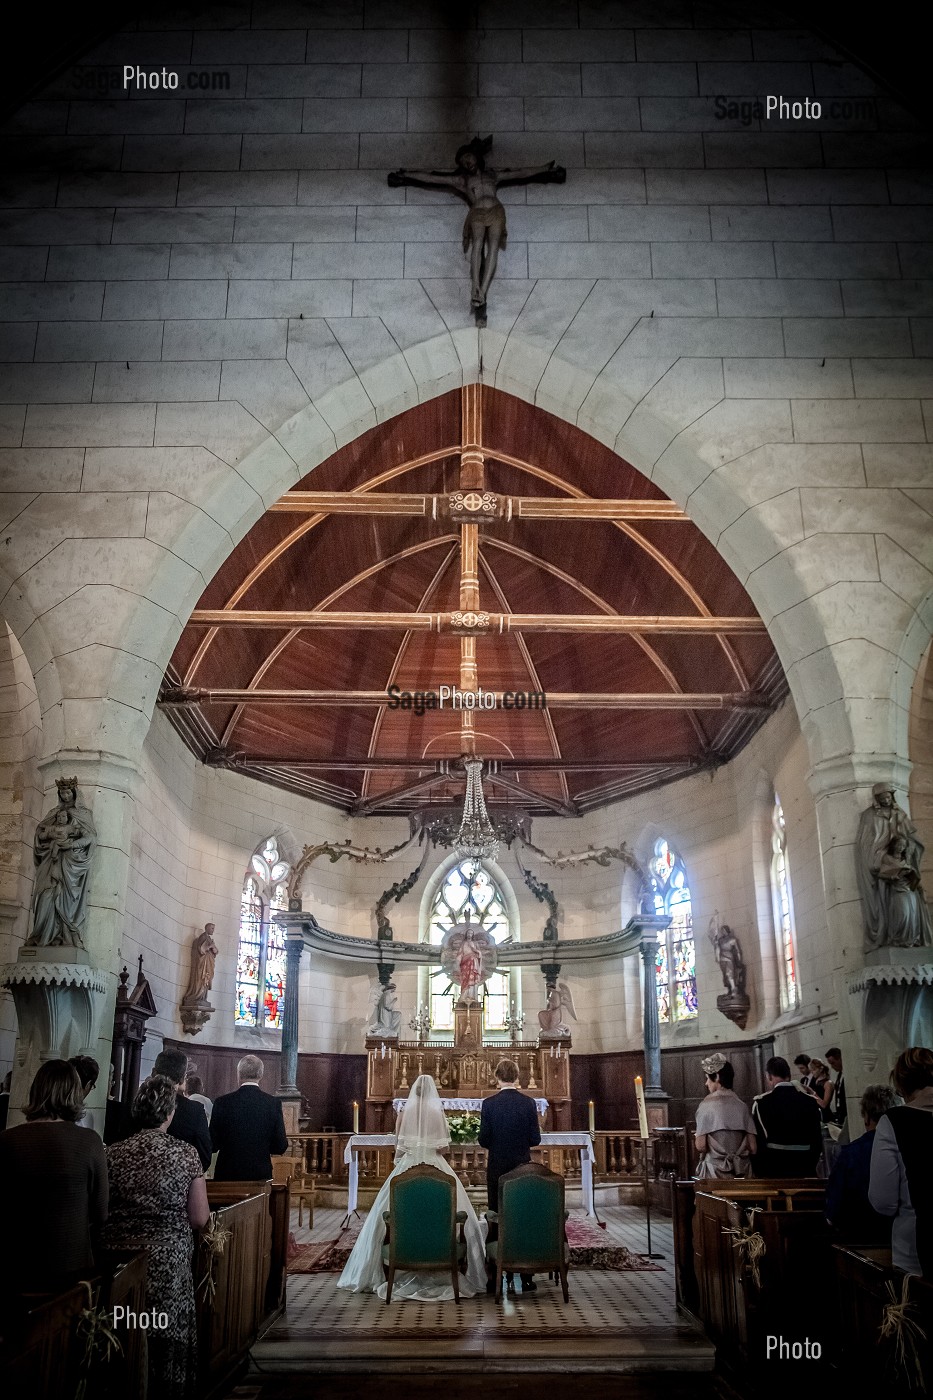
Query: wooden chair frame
{"type": "Point", "coordinates": [528, 1265]}
{"type": "Point", "coordinates": [458, 1217]}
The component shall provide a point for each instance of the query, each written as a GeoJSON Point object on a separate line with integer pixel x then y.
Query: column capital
{"type": "Point", "coordinates": [98, 769]}
{"type": "Point", "coordinates": [846, 772]}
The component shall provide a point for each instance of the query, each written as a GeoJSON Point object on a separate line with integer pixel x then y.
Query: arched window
{"type": "Point", "coordinates": [676, 969]}
{"type": "Point", "coordinates": [783, 909]}
{"type": "Point", "coordinates": [468, 885]}
{"type": "Point", "coordinates": [260, 964]}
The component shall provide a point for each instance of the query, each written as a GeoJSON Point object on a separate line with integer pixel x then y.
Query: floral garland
{"type": "Point", "coordinates": [214, 1239]}
{"type": "Point", "coordinates": [907, 1334]}
{"type": "Point", "coordinates": [95, 1329]}
{"type": "Point", "coordinates": [750, 1244]}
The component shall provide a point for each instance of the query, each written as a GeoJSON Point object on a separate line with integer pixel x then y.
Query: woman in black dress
{"type": "Point", "coordinates": [157, 1195]}
{"type": "Point", "coordinates": [53, 1179]}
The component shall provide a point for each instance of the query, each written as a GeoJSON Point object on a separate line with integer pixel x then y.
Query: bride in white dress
{"type": "Point", "coordinates": [422, 1135]}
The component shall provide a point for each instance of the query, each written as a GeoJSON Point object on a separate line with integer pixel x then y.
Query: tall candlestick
{"type": "Point", "coordinates": [592, 1118]}
{"type": "Point", "coordinates": [356, 1116]}
{"type": "Point", "coordinates": [642, 1115]}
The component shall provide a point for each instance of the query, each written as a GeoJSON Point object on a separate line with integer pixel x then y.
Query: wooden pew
{"type": "Point", "coordinates": [43, 1353]}
{"type": "Point", "coordinates": [796, 1265]}
{"type": "Point", "coordinates": [40, 1358]}
{"type": "Point", "coordinates": [231, 1307]}
{"type": "Point", "coordinates": [867, 1361]}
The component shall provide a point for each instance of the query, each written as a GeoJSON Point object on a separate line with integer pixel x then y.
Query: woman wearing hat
{"type": "Point", "coordinates": [725, 1131]}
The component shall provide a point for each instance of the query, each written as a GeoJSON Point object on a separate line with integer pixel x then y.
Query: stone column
{"type": "Point", "coordinates": [870, 1021]}
{"type": "Point", "coordinates": [288, 1073]}
{"type": "Point", "coordinates": [656, 1098]}
{"type": "Point", "coordinates": [107, 785]}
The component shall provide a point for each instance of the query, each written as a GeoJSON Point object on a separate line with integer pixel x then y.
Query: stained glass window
{"type": "Point", "coordinates": [261, 950]}
{"type": "Point", "coordinates": [783, 908]}
{"type": "Point", "coordinates": [468, 885]}
{"type": "Point", "coordinates": [675, 967]}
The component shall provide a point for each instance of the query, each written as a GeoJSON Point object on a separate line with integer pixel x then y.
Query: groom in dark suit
{"type": "Point", "coordinates": [508, 1129]}
{"type": "Point", "coordinates": [247, 1127]}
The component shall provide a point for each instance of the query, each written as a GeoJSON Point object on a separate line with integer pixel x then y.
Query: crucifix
{"type": "Point", "coordinates": [484, 231]}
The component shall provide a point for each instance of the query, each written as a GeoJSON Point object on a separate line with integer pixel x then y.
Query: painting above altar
{"type": "Point", "coordinates": [468, 958]}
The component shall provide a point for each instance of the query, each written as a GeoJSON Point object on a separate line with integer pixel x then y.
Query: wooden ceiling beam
{"type": "Point", "coordinates": [472, 624]}
{"type": "Point", "coordinates": [556, 700]}
{"type": "Point", "coordinates": [403, 763]}
{"type": "Point", "coordinates": [489, 506]}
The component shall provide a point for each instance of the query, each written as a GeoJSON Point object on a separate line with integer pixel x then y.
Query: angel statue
{"type": "Point", "coordinates": [559, 1000]}
{"type": "Point", "coordinates": [386, 1016]}
{"type": "Point", "coordinates": [484, 231]}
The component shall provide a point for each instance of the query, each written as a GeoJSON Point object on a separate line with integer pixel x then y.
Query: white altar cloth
{"type": "Point", "coordinates": [468, 1105]}
{"type": "Point", "coordinates": [363, 1141]}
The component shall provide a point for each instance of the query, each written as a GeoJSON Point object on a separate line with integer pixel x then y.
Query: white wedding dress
{"type": "Point", "coordinates": [422, 1134]}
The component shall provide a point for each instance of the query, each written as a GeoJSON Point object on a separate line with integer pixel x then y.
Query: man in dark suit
{"type": "Point", "coordinates": [247, 1127]}
{"type": "Point", "coordinates": [189, 1122]}
{"type": "Point", "coordinates": [508, 1129]}
{"type": "Point", "coordinates": [790, 1126]}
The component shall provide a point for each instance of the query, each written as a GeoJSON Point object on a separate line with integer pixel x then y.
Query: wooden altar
{"type": "Point", "coordinates": [466, 1070]}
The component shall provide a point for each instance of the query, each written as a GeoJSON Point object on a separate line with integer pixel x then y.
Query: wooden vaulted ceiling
{"type": "Point", "coordinates": [616, 726]}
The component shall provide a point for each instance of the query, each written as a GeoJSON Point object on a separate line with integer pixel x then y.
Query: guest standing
{"type": "Point", "coordinates": [848, 1208]}
{"type": "Point", "coordinates": [802, 1063]}
{"type": "Point", "coordinates": [247, 1127]}
{"type": "Point", "coordinates": [834, 1057]}
{"type": "Point", "coordinates": [89, 1073]}
{"type": "Point", "coordinates": [194, 1089]}
{"type": "Point", "coordinates": [902, 1161]}
{"type": "Point", "coordinates": [53, 1182]}
{"type": "Point", "coordinates": [789, 1126]}
{"type": "Point", "coordinates": [508, 1129]}
{"type": "Point", "coordinates": [189, 1123]}
{"type": "Point", "coordinates": [725, 1130]}
{"type": "Point", "coordinates": [157, 1195]}
{"type": "Point", "coordinates": [821, 1087]}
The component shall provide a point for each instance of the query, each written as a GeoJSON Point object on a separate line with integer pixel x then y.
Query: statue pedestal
{"type": "Point", "coordinates": [195, 1015]}
{"type": "Point", "coordinates": [59, 999]}
{"type": "Point", "coordinates": [735, 1006]}
{"type": "Point", "coordinates": [468, 1025]}
{"type": "Point", "coordinates": [555, 1077]}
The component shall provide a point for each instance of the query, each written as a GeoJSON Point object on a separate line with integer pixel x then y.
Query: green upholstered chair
{"type": "Point", "coordinates": [530, 1219]}
{"type": "Point", "coordinates": [421, 1226]}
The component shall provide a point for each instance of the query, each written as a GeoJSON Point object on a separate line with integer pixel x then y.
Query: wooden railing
{"type": "Point", "coordinates": [619, 1158]}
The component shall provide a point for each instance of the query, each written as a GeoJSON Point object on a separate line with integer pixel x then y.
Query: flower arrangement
{"type": "Point", "coordinates": [464, 1127]}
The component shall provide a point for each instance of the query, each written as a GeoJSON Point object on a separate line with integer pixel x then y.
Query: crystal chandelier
{"type": "Point", "coordinates": [476, 838]}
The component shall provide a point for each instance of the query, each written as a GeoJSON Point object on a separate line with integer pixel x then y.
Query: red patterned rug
{"type": "Point", "coordinates": [590, 1248]}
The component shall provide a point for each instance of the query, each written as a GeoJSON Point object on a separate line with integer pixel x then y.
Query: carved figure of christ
{"type": "Point", "coordinates": [484, 230]}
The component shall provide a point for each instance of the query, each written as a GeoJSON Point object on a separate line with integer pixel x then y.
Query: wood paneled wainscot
{"type": "Point", "coordinates": [720, 1227]}
{"type": "Point", "coordinates": [232, 1308]}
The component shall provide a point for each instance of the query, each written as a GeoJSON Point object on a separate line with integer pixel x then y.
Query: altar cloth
{"type": "Point", "coordinates": [360, 1142]}
{"type": "Point", "coordinates": [468, 1105]}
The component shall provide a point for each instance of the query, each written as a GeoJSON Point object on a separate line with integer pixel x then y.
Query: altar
{"type": "Point", "coordinates": [362, 1144]}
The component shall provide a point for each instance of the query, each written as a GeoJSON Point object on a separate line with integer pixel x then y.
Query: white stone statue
{"type": "Point", "coordinates": [880, 824]}
{"type": "Point", "coordinates": [63, 849]}
{"type": "Point", "coordinates": [386, 1019]}
{"type": "Point", "coordinates": [559, 1000]}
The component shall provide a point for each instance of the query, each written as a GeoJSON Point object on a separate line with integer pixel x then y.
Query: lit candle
{"type": "Point", "coordinates": [592, 1118]}
{"type": "Point", "coordinates": [642, 1115]}
{"type": "Point", "coordinates": [356, 1116]}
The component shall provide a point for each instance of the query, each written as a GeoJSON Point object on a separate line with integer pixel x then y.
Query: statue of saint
{"type": "Point", "coordinates": [485, 230]}
{"type": "Point", "coordinates": [879, 825]}
{"type": "Point", "coordinates": [728, 952]}
{"type": "Point", "coordinates": [203, 957]}
{"type": "Point", "coordinates": [63, 848]}
{"type": "Point", "coordinates": [908, 918]}
{"type": "Point", "coordinates": [387, 1014]}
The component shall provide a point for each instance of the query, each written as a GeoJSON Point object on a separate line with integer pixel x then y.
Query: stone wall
{"type": "Point", "coordinates": [206, 292]}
